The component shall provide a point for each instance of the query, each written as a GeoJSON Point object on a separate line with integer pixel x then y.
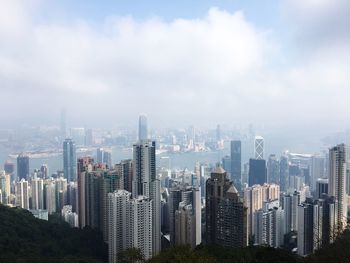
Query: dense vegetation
{"type": "Point", "coordinates": [338, 252]}
{"type": "Point", "coordinates": [23, 238]}
{"type": "Point", "coordinates": [216, 254]}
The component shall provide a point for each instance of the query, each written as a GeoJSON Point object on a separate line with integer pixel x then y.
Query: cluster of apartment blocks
{"type": "Point", "coordinates": [40, 195]}
{"type": "Point", "coordinates": [123, 202]}
{"type": "Point", "coordinates": [296, 218]}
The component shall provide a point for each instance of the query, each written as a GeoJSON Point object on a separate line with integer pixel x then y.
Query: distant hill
{"type": "Point", "coordinates": [23, 238]}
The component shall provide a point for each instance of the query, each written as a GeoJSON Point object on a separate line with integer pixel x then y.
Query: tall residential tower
{"type": "Point", "coordinates": [69, 160]}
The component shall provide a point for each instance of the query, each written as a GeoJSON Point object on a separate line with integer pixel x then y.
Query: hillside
{"type": "Point", "coordinates": [338, 252]}
{"type": "Point", "coordinates": [216, 254]}
{"type": "Point", "coordinates": [23, 238]}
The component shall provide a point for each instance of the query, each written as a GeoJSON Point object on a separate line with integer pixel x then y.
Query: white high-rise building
{"type": "Point", "coordinates": [185, 226]}
{"type": "Point", "coordinates": [37, 187]}
{"type": "Point", "coordinates": [185, 216]}
{"type": "Point", "coordinates": [5, 187]}
{"type": "Point", "coordinates": [140, 225]}
{"type": "Point", "coordinates": [50, 196]}
{"type": "Point", "coordinates": [61, 192]}
{"type": "Point", "coordinates": [318, 215]}
{"type": "Point", "coordinates": [129, 224]}
{"type": "Point", "coordinates": [337, 183]}
{"type": "Point", "coordinates": [294, 208]}
{"type": "Point", "coordinates": [22, 194]}
{"type": "Point", "coordinates": [146, 183]}
{"type": "Point", "coordinates": [117, 223]}
{"type": "Point", "coordinates": [254, 198]}
{"type": "Point", "coordinates": [70, 217]}
{"type": "Point", "coordinates": [259, 147]}
{"type": "Point", "coordinates": [269, 227]}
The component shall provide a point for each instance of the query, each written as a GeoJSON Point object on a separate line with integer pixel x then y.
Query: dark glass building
{"type": "Point", "coordinates": [284, 173]}
{"type": "Point", "coordinates": [22, 167]}
{"type": "Point", "coordinates": [226, 215]}
{"type": "Point", "coordinates": [236, 163]}
{"type": "Point", "coordinates": [69, 160]}
{"type": "Point", "coordinates": [257, 172]}
{"type": "Point", "coordinates": [273, 170]}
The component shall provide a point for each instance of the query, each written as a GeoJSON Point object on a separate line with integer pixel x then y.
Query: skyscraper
{"type": "Point", "coordinates": [284, 173]}
{"type": "Point", "coordinates": [321, 187]}
{"type": "Point", "coordinates": [50, 196]}
{"type": "Point", "coordinates": [72, 196]}
{"type": "Point", "coordinates": [69, 160]}
{"type": "Point", "coordinates": [226, 215]}
{"type": "Point", "coordinates": [268, 226]}
{"type": "Point", "coordinates": [254, 199]}
{"type": "Point", "coordinates": [146, 183]}
{"type": "Point", "coordinates": [185, 202]}
{"type": "Point", "coordinates": [5, 187]}
{"type": "Point", "coordinates": [22, 167]}
{"type": "Point", "coordinates": [236, 163]}
{"type": "Point", "coordinates": [84, 166]}
{"type": "Point", "coordinates": [37, 185]}
{"type": "Point", "coordinates": [107, 158]}
{"type": "Point", "coordinates": [317, 170]}
{"type": "Point", "coordinates": [125, 169]}
{"type": "Point", "coordinates": [273, 170]}
{"type": "Point", "coordinates": [295, 202]}
{"type": "Point", "coordinates": [104, 156]}
{"type": "Point", "coordinates": [99, 155]}
{"type": "Point", "coordinates": [305, 229]}
{"type": "Point", "coordinates": [9, 167]}
{"type": "Point", "coordinates": [110, 180]}
{"type": "Point", "coordinates": [226, 164]}
{"type": "Point", "coordinates": [44, 169]}
{"type": "Point", "coordinates": [61, 192]}
{"type": "Point", "coordinates": [22, 194]}
{"type": "Point", "coordinates": [117, 223]}
{"type": "Point", "coordinates": [143, 129]}
{"type": "Point", "coordinates": [129, 224]}
{"type": "Point", "coordinates": [337, 183]}
{"type": "Point", "coordinates": [175, 198]}
{"type": "Point", "coordinates": [257, 172]}
{"type": "Point", "coordinates": [259, 147]}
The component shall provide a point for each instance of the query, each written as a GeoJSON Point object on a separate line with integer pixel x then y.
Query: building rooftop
{"type": "Point", "coordinates": [219, 170]}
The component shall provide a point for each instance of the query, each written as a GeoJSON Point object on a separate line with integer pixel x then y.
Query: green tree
{"type": "Point", "coordinates": [131, 255]}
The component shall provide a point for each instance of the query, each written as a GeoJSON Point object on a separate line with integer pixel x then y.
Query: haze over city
{"type": "Point", "coordinates": [282, 65]}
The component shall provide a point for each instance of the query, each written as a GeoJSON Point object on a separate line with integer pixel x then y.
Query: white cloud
{"type": "Point", "coordinates": [188, 64]}
{"type": "Point", "coordinates": [215, 68]}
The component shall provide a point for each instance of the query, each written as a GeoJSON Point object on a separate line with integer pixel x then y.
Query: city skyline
{"type": "Point", "coordinates": [182, 131]}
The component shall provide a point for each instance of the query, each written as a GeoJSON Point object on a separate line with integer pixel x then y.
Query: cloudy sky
{"type": "Point", "coordinates": [280, 64]}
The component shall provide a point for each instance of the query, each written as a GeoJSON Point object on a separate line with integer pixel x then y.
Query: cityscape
{"type": "Point", "coordinates": [293, 200]}
{"type": "Point", "coordinates": [174, 132]}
